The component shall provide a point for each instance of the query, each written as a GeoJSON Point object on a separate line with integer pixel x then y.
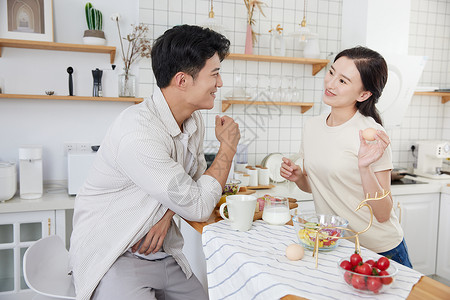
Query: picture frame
{"type": "Point", "coordinates": [26, 20]}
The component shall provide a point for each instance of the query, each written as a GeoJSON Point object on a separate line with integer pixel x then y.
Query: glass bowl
{"type": "Point", "coordinates": [231, 187]}
{"type": "Point", "coordinates": [306, 226]}
{"type": "Point", "coordinates": [368, 284]}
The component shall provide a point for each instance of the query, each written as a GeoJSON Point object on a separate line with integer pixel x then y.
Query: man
{"type": "Point", "coordinates": [151, 165]}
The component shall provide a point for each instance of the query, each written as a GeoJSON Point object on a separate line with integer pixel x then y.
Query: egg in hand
{"type": "Point", "coordinates": [369, 134]}
{"type": "Point", "coordinates": [295, 252]}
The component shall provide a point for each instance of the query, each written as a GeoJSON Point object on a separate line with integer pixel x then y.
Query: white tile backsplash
{"type": "Point", "coordinates": [270, 129]}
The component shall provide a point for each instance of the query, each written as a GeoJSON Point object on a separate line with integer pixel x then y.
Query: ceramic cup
{"type": "Point", "coordinates": [241, 209]}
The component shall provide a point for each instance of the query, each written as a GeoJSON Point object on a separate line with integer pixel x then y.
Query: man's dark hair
{"type": "Point", "coordinates": [185, 48]}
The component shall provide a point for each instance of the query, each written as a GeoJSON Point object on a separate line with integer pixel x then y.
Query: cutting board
{"type": "Point", "coordinates": [247, 192]}
{"type": "Point", "coordinates": [260, 187]}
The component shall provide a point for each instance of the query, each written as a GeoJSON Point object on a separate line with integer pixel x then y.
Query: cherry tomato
{"type": "Point", "coordinates": [348, 277]}
{"type": "Point", "coordinates": [385, 280]}
{"type": "Point", "coordinates": [374, 284]}
{"type": "Point", "coordinates": [355, 259]}
{"type": "Point", "coordinates": [371, 262]}
{"type": "Point", "coordinates": [375, 271]}
{"type": "Point", "coordinates": [358, 282]}
{"type": "Point", "coordinates": [383, 263]}
{"type": "Point", "coordinates": [346, 265]}
{"type": "Point", "coordinates": [364, 269]}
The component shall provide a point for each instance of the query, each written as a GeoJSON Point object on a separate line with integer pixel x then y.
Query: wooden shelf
{"type": "Point", "coordinates": [58, 46]}
{"type": "Point", "coordinates": [303, 105]}
{"type": "Point", "coordinates": [57, 97]}
{"type": "Point", "coordinates": [317, 64]}
{"type": "Point", "coordinates": [445, 96]}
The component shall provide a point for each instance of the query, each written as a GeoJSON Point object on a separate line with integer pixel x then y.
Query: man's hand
{"type": "Point", "coordinates": [154, 239]}
{"type": "Point", "coordinates": [227, 132]}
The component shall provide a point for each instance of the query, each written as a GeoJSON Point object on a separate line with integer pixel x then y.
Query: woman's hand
{"type": "Point", "coordinates": [294, 173]}
{"type": "Point", "coordinates": [154, 239]}
{"type": "Point", "coordinates": [371, 152]}
{"type": "Point", "coordinates": [290, 171]}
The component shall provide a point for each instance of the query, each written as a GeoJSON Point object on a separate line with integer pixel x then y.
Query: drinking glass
{"type": "Point", "coordinates": [276, 210]}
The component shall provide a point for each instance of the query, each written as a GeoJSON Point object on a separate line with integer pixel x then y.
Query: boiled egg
{"type": "Point", "coordinates": [369, 134]}
{"type": "Point", "coordinates": [295, 252]}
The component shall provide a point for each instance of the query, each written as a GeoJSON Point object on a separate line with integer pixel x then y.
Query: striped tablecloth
{"type": "Point", "coordinates": [253, 265]}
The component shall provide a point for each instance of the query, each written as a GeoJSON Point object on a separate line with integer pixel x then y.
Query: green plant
{"type": "Point", "coordinates": [94, 17]}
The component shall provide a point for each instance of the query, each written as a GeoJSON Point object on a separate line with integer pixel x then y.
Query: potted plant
{"type": "Point", "coordinates": [94, 18]}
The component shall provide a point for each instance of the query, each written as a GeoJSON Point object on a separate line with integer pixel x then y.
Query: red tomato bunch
{"type": "Point", "coordinates": [366, 275]}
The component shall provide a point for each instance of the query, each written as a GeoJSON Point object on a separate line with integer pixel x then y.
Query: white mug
{"type": "Point", "coordinates": [241, 210]}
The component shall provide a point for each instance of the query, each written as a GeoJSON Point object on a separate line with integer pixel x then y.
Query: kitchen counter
{"type": "Point", "coordinates": [55, 197]}
{"type": "Point", "coordinates": [289, 189]}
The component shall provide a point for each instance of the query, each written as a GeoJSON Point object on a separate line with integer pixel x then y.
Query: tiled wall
{"type": "Point", "coordinates": [270, 129]}
{"type": "Point", "coordinates": [427, 118]}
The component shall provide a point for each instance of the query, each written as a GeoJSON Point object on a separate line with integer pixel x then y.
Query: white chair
{"type": "Point", "coordinates": [46, 268]}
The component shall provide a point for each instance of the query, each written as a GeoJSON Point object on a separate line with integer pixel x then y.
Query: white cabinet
{"type": "Point", "coordinates": [419, 215]}
{"type": "Point", "coordinates": [443, 253]}
{"type": "Point", "coordinates": [18, 231]}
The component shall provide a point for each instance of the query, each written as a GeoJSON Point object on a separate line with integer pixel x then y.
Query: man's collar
{"type": "Point", "coordinates": [164, 111]}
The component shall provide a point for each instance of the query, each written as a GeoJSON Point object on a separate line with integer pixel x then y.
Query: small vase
{"type": "Point", "coordinates": [249, 40]}
{"type": "Point", "coordinates": [127, 84]}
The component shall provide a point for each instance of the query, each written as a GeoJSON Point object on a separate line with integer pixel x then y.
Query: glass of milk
{"type": "Point", "coordinates": [276, 210]}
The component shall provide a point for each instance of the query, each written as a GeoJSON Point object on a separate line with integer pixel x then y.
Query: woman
{"type": "Point", "coordinates": [339, 166]}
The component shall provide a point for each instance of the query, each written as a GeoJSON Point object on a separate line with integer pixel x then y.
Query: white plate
{"type": "Point", "coordinates": [273, 163]}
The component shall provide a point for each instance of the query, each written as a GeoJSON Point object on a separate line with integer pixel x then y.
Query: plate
{"type": "Point", "coordinates": [273, 163]}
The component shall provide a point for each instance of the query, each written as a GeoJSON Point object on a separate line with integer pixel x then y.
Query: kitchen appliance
{"type": "Point", "coordinates": [430, 155]}
{"type": "Point", "coordinates": [30, 172]}
{"type": "Point", "coordinates": [406, 181]}
{"type": "Point", "coordinates": [210, 153]}
{"type": "Point", "coordinates": [97, 88]}
{"type": "Point", "coordinates": [404, 72]}
{"type": "Point", "coordinates": [8, 180]}
{"type": "Point", "coordinates": [78, 166]}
